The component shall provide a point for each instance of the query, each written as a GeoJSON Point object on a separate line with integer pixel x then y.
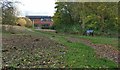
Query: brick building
{"type": "Point", "coordinates": [41, 21]}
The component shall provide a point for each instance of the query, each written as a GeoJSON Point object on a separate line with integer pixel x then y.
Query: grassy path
{"type": "Point", "coordinates": [80, 54]}
{"type": "Point", "coordinates": [102, 50]}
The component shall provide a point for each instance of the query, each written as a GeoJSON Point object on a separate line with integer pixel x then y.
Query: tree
{"type": "Point", "coordinates": [21, 22]}
{"type": "Point", "coordinates": [28, 22]}
{"type": "Point", "coordinates": [79, 16]}
{"type": "Point", "coordinates": [65, 17]}
{"type": "Point", "coordinates": [8, 12]}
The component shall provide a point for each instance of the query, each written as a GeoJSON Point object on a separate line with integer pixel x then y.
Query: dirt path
{"type": "Point", "coordinates": [101, 50]}
{"type": "Point", "coordinates": [46, 30]}
{"type": "Point", "coordinates": [32, 51]}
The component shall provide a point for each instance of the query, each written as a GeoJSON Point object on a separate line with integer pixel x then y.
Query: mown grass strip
{"type": "Point", "coordinates": [80, 55]}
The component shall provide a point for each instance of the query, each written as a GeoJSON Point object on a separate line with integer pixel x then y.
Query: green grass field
{"type": "Point", "coordinates": [102, 40]}
{"type": "Point", "coordinates": [79, 55]}
{"type": "Point", "coordinates": [82, 56]}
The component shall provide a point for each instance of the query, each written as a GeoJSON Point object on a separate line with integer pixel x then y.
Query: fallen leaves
{"type": "Point", "coordinates": [31, 51]}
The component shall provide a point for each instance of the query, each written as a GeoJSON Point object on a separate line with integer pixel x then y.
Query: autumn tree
{"type": "Point", "coordinates": [80, 16]}
{"type": "Point", "coordinates": [28, 22]}
{"type": "Point", "coordinates": [8, 12]}
{"type": "Point", "coordinates": [21, 22]}
{"type": "Point", "coordinates": [24, 21]}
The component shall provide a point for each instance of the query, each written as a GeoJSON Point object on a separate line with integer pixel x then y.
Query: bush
{"type": "Point", "coordinates": [21, 22]}
{"type": "Point", "coordinates": [29, 23]}
{"type": "Point", "coordinates": [74, 29]}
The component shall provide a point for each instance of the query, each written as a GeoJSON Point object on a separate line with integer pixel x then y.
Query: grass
{"type": "Point", "coordinates": [80, 55]}
{"type": "Point", "coordinates": [102, 40]}
{"type": "Point", "coordinates": [96, 40]}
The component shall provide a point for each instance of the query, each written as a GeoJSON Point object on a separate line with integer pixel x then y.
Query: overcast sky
{"type": "Point", "coordinates": [43, 7]}
{"type": "Point", "coordinates": [37, 7]}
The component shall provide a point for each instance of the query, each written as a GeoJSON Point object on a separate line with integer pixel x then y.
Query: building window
{"type": "Point", "coordinates": [45, 26]}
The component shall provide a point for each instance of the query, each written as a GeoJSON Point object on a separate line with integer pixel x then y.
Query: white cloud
{"type": "Point", "coordinates": [37, 7]}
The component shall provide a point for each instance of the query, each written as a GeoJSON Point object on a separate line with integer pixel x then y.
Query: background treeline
{"type": "Point", "coordinates": [76, 17]}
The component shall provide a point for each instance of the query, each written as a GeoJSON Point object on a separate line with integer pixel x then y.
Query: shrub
{"type": "Point", "coordinates": [21, 22]}
{"type": "Point", "coordinates": [28, 22]}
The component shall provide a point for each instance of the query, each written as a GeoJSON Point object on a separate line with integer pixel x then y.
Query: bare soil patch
{"type": "Point", "coordinates": [28, 51]}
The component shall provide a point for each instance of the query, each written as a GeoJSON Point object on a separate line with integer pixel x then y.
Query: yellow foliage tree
{"type": "Point", "coordinates": [28, 22]}
{"type": "Point", "coordinates": [21, 22]}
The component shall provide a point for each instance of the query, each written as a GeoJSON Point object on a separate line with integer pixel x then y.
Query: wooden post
{"type": "Point", "coordinates": [33, 24]}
